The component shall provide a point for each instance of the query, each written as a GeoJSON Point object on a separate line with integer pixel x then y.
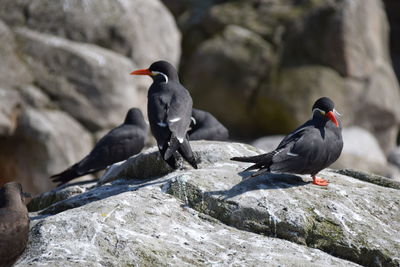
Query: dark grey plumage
{"type": "Point", "coordinates": [310, 148]}
{"type": "Point", "coordinates": [169, 109]}
{"type": "Point", "coordinates": [117, 145]}
{"type": "Point", "coordinates": [205, 126]}
{"type": "Point", "coordinates": [14, 223]}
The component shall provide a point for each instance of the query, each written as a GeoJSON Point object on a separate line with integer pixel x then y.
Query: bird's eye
{"type": "Point", "coordinates": [322, 112]}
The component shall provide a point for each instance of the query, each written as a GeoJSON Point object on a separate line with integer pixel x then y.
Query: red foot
{"type": "Point", "coordinates": [319, 181]}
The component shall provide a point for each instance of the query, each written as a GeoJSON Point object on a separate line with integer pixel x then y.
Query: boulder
{"type": "Point", "coordinates": [143, 226]}
{"type": "Point", "coordinates": [298, 51]}
{"type": "Point", "coordinates": [13, 71]}
{"type": "Point", "coordinates": [142, 30]}
{"type": "Point", "coordinates": [361, 151]}
{"type": "Point", "coordinates": [45, 142]}
{"type": "Point", "coordinates": [134, 208]}
{"type": "Point", "coordinates": [10, 104]}
{"type": "Point", "coordinates": [268, 143]}
{"type": "Point", "coordinates": [90, 83]}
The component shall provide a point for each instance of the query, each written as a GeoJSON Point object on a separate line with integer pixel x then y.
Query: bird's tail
{"type": "Point", "coordinates": [183, 148]}
{"type": "Point", "coordinates": [173, 146]}
{"type": "Point", "coordinates": [65, 176]}
{"type": "Point", "coordinates": [186, 151]}
{"type": "Point", "coordinates": [262, 162]}
{"type": "Point", "coordinates": [252, 159]}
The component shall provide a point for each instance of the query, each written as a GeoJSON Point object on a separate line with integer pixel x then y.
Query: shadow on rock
{"type": "Point", "coordinates": [99, 193]}
{"type": "Point", "coordinates": [263, 182]}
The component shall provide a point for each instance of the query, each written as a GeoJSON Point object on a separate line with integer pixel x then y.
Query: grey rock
{"type": "Point", "coordinates": [341, 219]}
{"type": "Point", "coordinates": [394, 157]}
{"type": "Point", "coordinates": [361, 151]}
{"type": "Point", "coordinates": [13, 71]}
{"type": "Point", "coordinates": [371, 178]}
{"type": "Point", "coordinates": [317, 48]}
{"type": "Point", "coordinates": [216, 66]}
{"type": "Point", "coordinates": [34, 97]}
{"type": "Point", "coordinates": [142, 30]}
{"type": "Point", "coordinates": [267, 143]}
{"type": "Point", "coordinates": [90, 83]}
{"type": "Point", "coordinates": [143, 226]}
{"type": "Point", "coordinates": [45, 142]}
{"type": "Point", "coordinates": [10, 105]}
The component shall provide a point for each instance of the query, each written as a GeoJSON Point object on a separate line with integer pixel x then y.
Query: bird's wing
{"type": "Point", "coordinates": [179, 115]}
{"type": "Point", "coordinates": [119, 144]}
{"type": "Point", "coordinates": [298, 152]}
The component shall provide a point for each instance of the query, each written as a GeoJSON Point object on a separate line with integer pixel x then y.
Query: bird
{"type": "Point", "coordinates": [205, 126]}
{"type": "Point", "coordinates": [307, 150]}
{"type": "Point", "coordinates": [169, 109]}
{"type": "Point", "coordinates": [14, 223]}
{"type": "Point", "coordinates": [119, 144]}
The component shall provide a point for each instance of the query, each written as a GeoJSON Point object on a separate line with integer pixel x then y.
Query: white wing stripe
{"type": "Point", "coordinates": [175, 120]}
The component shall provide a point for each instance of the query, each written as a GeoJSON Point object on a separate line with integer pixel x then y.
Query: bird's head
{"type": "Point", "coordinates": [12, 193]}
{"type": "Point", "coordinates": [326, 108]}
{"type": "Point", "coordinates": [159, 71]}
{"type": "Point", "coordinates": [135, 116]}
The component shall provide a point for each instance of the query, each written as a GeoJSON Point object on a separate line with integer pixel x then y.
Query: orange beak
{"type": "Point", "coordinates": [141, 72]}
{"type": "Point", "coordinates": [332, 117]}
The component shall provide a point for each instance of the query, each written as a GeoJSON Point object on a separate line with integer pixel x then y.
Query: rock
{"type": "Point", "coordinates": [142, 30]}
{"type": "Point", "coordinates": [34, 97]}
{"type": "Point", "coordinates": [268, 143]}
{"type": "Point", "coordinates": [340, 219]}
{"type": "Point", "coordinates": [90, 83]}
{"type": "Point", "coordinates": [394, 157]}
{"type": "Point", "coordinates": [304, 50]}
{"type": "Point", "coordinates": [361, 151]}
{"type": "Point", "coordinates": [139, 224]}
{"type": "Point", "coordinates": [45, 142]}
{"type": "Point", "coordinates": [13, 72]}
{"type": "Point", "coordinates": [10, 104]}
{"type": "Point", "coordinates": [371, 178]}
{"type": "Point", "coordinates": [247, 56]}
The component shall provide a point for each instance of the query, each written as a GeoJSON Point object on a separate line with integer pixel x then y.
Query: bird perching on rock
{"type": "Point", "coordinates": [169, 109]}
{"type": "Point", "coordinates": [122, 142]}
{"type": "Point", "coordinates": [310, 148]}
{"type": "Point", "coordinates": [14, 223]}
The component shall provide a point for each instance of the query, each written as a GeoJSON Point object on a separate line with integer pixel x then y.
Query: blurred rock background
{"type": "Point", "coordinates": [257, 65]}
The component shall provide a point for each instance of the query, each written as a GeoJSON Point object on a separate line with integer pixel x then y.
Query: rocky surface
{"type": "Point", "coordinates": [44, 136]}
{"type": "Point", "coordinates": [65, 67]}
{"type": "Point", "coordinates": [272, 59]}
{"type": "Point", "coordinates": [127, 27]}
{"type": "Point", "coordinates": [156, 216]}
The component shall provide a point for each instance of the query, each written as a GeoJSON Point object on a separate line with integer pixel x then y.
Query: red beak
{"type": "Point", "coordinates": [332, 117]}
{"type": "Point", "coordinates": [141, 72]}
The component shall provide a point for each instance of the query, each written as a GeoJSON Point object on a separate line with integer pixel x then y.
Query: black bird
{"type": "Point", "coordinates": [169, 109]}
{"type": "Point", "coordinates": [310, 148]}
{"type": "Point", "coordinates": [117, 145]}
{"type": "Point", "coordinates": [205, 126]}
{"type": "Point", "coordinates": [14, 223]}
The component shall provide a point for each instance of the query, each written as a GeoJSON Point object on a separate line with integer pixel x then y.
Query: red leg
{"type": "Point", "coordinates": [319, 181]}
